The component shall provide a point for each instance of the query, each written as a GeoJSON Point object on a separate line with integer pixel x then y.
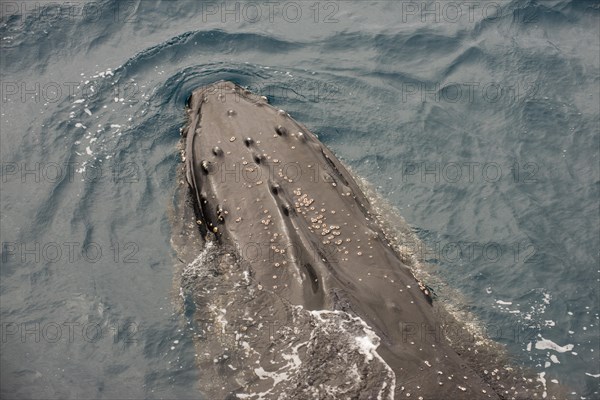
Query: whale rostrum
{"type": "Point", "coordinates": [308, 299]}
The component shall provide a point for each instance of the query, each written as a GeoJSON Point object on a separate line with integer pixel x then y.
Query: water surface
{"type": "Point", "coordinates": [479, 123]}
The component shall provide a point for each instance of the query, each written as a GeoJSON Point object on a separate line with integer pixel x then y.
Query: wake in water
{"type": "Point", "coordinates": [256, 345]}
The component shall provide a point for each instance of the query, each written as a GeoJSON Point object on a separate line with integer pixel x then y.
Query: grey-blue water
{"type": "Point", "coordinates": [479, 121]}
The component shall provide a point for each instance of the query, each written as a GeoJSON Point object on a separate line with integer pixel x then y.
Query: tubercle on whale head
{"type": "Point", "coordinates": [427, 291]}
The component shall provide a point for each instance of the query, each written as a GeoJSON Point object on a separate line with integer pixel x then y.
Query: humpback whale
{"type": "Point", "coordinates": [298, 293]}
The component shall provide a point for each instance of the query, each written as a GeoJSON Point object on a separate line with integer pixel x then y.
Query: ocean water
{"type": "Point", "coordinates": [478, 121]}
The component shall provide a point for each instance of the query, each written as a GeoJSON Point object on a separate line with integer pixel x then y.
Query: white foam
{"type": "Point", "coordinates": [198, 266]}
{"type": "Point", "coordinates": [547, 298]}
{"type": "Point", "coordinates": [364, 342]}
{"type": "Point", "coordinates": [366, 346]}
{"type": "Point", "coordinates": [546, 344]}
{"type": "Point", "coordinates": [543, 380]}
